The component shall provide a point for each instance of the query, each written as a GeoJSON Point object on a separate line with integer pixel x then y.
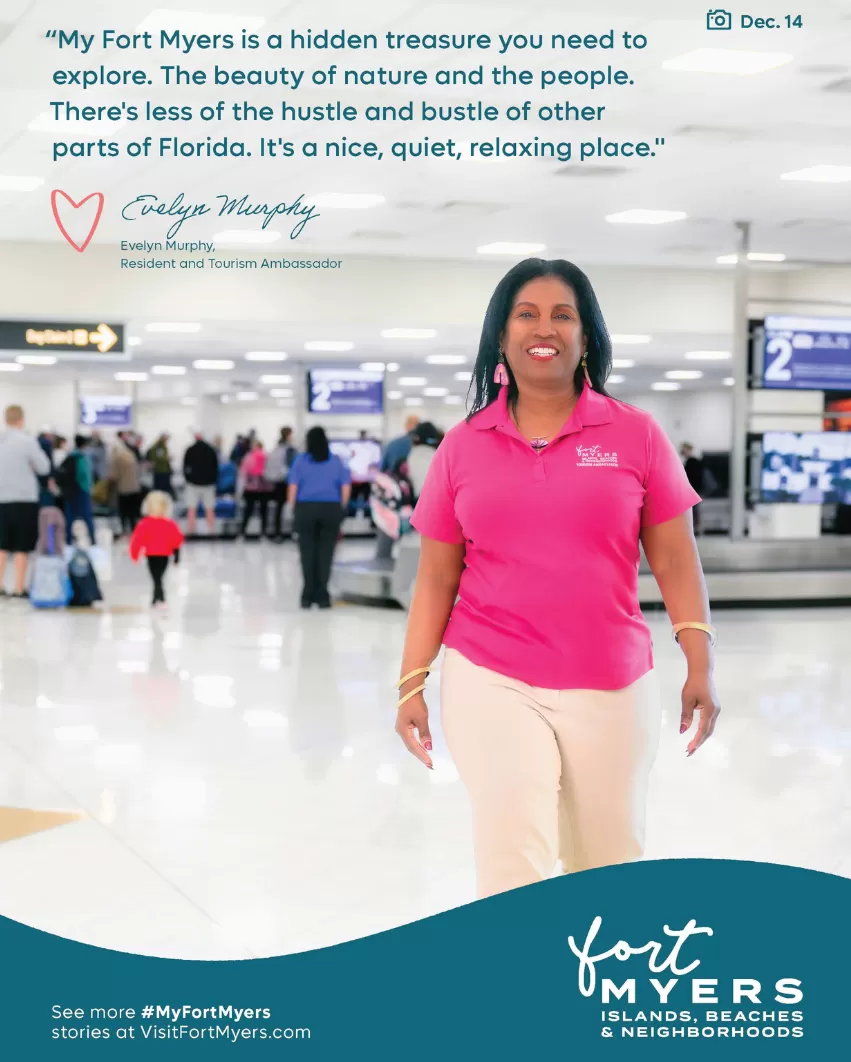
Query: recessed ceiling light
{"type": "Point", "coordinates": [247, 396]}
{"type": "Point", "coordinates": [708, 355]}
{"type": "Point", "coordinates": [454, 400]}
{"type": "Point", "coordinates": [133, 341]}
{"type": "Point", "coordinates": [665, 386]}
{"type": "Point", "coordinates": [10, 366]}
{"type": "Point", "coordinates": [247, 236]}
{"type": "Point", "coordinates": [173, 326]}
{"type": "Point", "coordinates": [727, 61]}
{"type": "Point", "coordinates": [225, 399]}
{"type": "Point", "coordinates": [331, 346]}
{"type": "Point", "coordinates": [347, 201]}
{"type": "Point", "coordinates": [414, 401]}
{"type": "Point", "coordinates": [373, 366]}
{"type": "Point", "coordinates": [753, 256]}
{"type": "Point", "coordinates": [645, 217]}
{"type": "Point", "coordinates": [35, 359]}
{"type": "Point", "coordinates": [394, 396]}
{"type": "Point", "coordinates": [820, 174]}
{"type": "Point", "coordinates": [446, 359]}
{"type": "Point", "coordinates": [169, 370]}
{"type": "Point", "coordinates": [614, 379]}
{"type": "Point", "coordinates": [276, 379]}
{"type": "Point", "coordinates": [436, 392]}
{"type": "Point", "coordinates": [511, 248]}
{"type": "Point", "coordinates": [265, 355]}
{"type": "Point", "coordinates": [412, 381]}
{"type": "Point", "coordinates": [408, 333]}
{"type": "Point", "coordinates": [629, 339]}
{"type": "Point", "coordinates": [392, 366]}
{"type": "Point", "coordinates": [728, 381]}
{"type": "Point", "coordinates": [281, 392]}
{"type": "Point", "coordinates": [131, 377]}
{"type": "Point", "coordinates": [213, 364]}
{"type": "Point", "coordinates": [20, 184]}
{"type": "Point", "coordinates": [622, 363]}
{"type": "Point", "coordinates": [464, 377]}
{"type": "Point", "coordinates": [684, 374]}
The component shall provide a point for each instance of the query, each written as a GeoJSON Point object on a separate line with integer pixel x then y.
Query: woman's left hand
{"type": "Point", "coordinates": [699, 695]}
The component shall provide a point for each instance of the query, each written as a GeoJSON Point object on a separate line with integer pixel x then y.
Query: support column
{"type": "Point", "coordinates": [738, 452]}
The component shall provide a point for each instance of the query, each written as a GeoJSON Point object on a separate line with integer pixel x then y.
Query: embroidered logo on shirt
{"type": "Point", "coordinates": [596, 457]}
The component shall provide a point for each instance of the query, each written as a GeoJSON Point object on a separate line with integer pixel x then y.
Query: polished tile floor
{"type": "Point", "coordinates": [243, 792]}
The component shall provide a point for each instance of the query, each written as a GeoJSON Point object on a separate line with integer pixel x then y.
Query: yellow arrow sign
{"type": "Point", "coordinates": [104, 337]}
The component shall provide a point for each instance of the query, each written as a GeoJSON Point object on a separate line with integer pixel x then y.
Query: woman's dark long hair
{"type": "Point", "coordinates": [599, 345]}
{"type": "Point", "coordinates": [317, 444]}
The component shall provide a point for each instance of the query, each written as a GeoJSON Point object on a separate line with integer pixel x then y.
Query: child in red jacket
{"type": "Point", "coordinates": [158, 537]}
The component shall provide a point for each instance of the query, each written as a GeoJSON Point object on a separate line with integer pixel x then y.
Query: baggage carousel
{"type": "Point", "coordinates": [738, 574]}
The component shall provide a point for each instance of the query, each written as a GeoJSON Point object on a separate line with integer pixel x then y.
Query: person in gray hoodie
{"type": "Point", "coordinates": [22, 461]}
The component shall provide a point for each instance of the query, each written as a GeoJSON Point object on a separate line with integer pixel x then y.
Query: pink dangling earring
{"type": "Point", "coordinates": [585, 370]}
{"type": "Point", "coordinates": [500, 377]}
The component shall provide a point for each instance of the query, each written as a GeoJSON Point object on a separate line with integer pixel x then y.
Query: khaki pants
{"type": "Point", "coordinates": [551, 774]}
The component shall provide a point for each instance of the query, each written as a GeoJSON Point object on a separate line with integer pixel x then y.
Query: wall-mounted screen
{"type": "Point", "coordinates": [345, 391]}
{"type": "Point", "coordinates": [807, 353]}
{"type": "Point", "coordinates": [106, 411]}
{"type": "Point", "coordinates": [809, 468]}
{"type": "Point", "coordinates": [837, 412]}
{"type": "Point", "coordinates": [362, 456]}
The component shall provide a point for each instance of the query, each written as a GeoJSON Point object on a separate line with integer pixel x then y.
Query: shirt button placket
{"type": "Point", "coordinates": [540, 473]}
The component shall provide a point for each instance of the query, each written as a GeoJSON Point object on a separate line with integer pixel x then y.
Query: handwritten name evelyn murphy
{"type": "Point", "coordinates": [181, 212]}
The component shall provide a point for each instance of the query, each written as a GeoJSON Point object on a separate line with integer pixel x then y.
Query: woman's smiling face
{"type": "Point", "coordinates": [543, 338]}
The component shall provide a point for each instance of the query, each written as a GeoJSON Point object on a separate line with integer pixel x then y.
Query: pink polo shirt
{"type": "Point", "coordinates": [549, 592]}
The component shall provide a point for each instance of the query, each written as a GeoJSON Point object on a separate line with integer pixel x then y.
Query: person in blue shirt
{"type": "Point", "coordinates": [398, 450]}
{"type": "Point", "coordinates": [319, 487]}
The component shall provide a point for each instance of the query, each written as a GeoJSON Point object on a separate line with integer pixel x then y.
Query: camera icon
{"type": "Point", "coordinates": [719, 19]}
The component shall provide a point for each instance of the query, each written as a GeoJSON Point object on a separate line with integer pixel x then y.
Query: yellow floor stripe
{"type": "Point", "coordinates": [21, 822]}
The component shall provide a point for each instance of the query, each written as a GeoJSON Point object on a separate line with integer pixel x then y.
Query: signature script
{"type": "Point", "coordinates": [146, 204]}
{"type": "Point", "coordinates": [622, 951]}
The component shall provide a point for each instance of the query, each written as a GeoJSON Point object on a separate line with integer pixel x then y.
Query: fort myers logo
{"type": "Point", "coordinates": [76, 222]}
{"type": "Point", "coordinates": [678, 1004]}
{"type": "Point", "coordinates": [595, 457]}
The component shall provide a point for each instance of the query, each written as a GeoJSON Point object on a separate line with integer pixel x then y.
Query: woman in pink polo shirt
{"type": "Point", "coordinates": [531, 518]}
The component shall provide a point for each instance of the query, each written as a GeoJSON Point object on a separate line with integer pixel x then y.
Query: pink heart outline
{"type": "Point", "coordinates": [76, 206]}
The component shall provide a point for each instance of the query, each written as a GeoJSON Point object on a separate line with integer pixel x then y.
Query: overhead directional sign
{"type": "Point", "coordinates": [63, 338]}
{"type": "Point", "coordinates": [807, 353]}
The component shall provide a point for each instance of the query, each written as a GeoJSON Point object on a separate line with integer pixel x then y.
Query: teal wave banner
{"type": "Point", "coordinates": [674, 959]}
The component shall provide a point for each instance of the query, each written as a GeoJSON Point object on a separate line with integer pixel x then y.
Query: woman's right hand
{"type": "Point", "coordinates": [412, 728]}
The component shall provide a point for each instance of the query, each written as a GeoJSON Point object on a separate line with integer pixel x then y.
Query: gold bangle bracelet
{"type": "Point", "coordinates": [408, 696]}
{"type": "Point", "coordinates": [413, 674]}
{"type": "Point", "coordinates": [705, 627]}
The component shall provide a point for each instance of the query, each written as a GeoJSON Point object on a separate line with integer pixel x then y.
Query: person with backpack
{"type": "Point", "coordinates": [160, 461]}
{"type": "Point", "coordinates": [255, 488]}
{"type": "Point", "coordinates": [278, 464]}
{"type": "Point", "coordinates": [425, 441]}
{"type": "Point", "coordinates": [74, 480]}
{"type": "Point", "coordinates": [201, 472]}
{"type": "Point", "coordinates": [22, 461]}
{"type": "Point", "coordinates": [319, 487]}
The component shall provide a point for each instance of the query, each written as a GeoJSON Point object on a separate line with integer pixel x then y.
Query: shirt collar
{"type": "Point", "coordinates": [591, 410]}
